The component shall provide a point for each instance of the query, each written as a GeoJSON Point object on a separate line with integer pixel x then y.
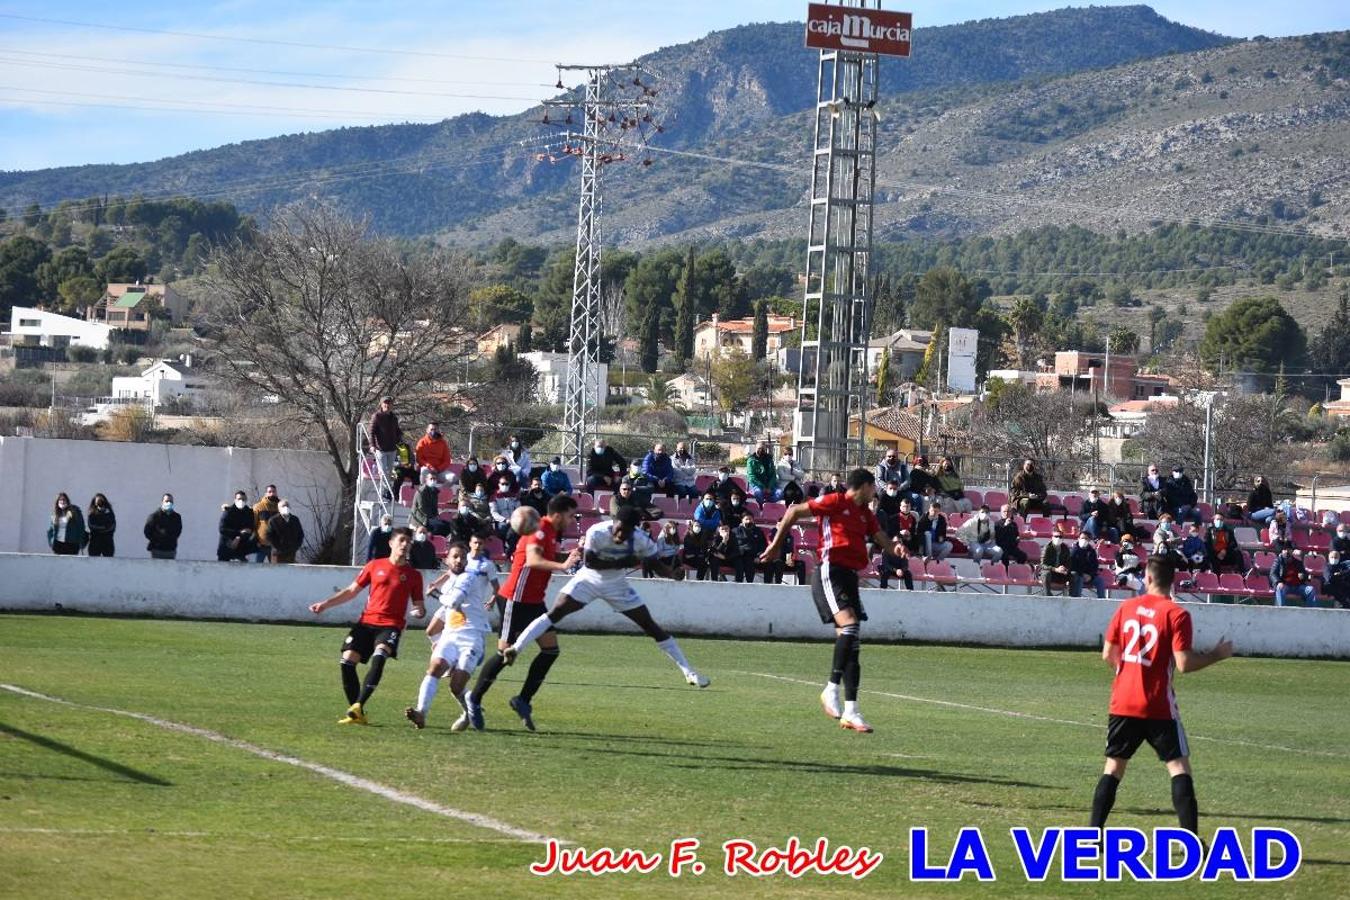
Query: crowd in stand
{"type": "Point", "coordinates": [717, 523]}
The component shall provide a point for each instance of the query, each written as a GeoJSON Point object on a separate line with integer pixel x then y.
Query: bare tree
{"type": "Point", "coordinates": [613, 309]}
{"type": "Point", "coordinates": [325, 320]}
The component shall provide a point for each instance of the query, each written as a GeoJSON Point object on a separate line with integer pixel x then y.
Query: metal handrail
{"type": "Point", "coordinates": [382, 489]}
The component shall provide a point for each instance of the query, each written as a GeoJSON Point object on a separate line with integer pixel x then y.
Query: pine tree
{"type": "Point", "coordinates": [649, 351]}
{"type": "Point", "coordinates": [525, 342]}
{"type": "Point", "coordinates": [884, 377]}
{"type": "Point", "coordinates": [686, 315]}
{"type": "Point", "coordinates": [759, 335]}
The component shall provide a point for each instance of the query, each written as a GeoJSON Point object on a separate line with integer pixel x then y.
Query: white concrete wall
{"type": "Point", "coordinates": [54, 325]}
{"type": "Point", "coordinates": [134, 476]}
{"type": "Point", "coordinates": [40, 583]}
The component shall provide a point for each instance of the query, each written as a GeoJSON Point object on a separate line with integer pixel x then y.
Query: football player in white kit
{"type": "Point", "coordinates": [611, 549]}
{"type": "Point", "coordinates": [457, 628]}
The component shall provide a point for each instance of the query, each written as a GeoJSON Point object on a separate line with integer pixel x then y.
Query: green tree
{"type": "Point", "coordinates": [1329, 354]}
{"type": "Point", "coordinates": [759, 335]}
{"type": "Point", "coordinates": [122, 265]}
{"type": "Point", "coordinates": [525, 342]}
{"type": "Point", "coordinates": [72, 262]}
{"type": "Point", "coordinates": [20, 259]}
{"type": "Point", "coordinates": [661, 395]}
{"type": "Point", "coordinates": [649, 351]}
{"type": "Point", "coordinates": [1123, 340]}
{"type": "Point", "coordinates": [1025, 320]}
{"type": "Point", "coordinates": [721, 286]}
{"type": "Point", "coordinates": [1155, 316]}
{"type": "Point", "coordinates": [944, 297]}
{"type": "Point", "coordinates": [650, 285]}
{"type": "Point", "coordinates": [79, 292]}
{"type": "Point", "coordinates": [734, 379]}
{"type": "Point", "coordinates": [884, 377]}
{"type": "Point", "coordinates": [553, 303]}
{"type": "Point", "coordinates": [32, 215]}
{"type": "Point", "coordinates": [496, 304]}
{"type": "Point", "coordinates": [1255, 334]}
{"type": "Point", "coordinates": [686, 316]}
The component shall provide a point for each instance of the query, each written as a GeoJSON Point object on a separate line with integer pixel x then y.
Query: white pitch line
{"type": "Point", "coordinates": [248, 836]}
{"type": "Point", "coordinates": [355, 781]}
{"type": "Point", "coordinates": [1022, 715]}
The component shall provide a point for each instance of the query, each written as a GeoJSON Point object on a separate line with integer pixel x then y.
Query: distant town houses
{"type": "Point", "coordinates": [131, 307]}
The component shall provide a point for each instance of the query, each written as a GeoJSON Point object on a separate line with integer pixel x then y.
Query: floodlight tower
{"type": "Point", "coordinates": [832, 382]}
{"type": "Point", "coordinates": [610, 117]}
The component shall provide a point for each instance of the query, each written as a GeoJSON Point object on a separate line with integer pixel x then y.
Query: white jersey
{"type": "Point", "coordinates": [600, 541]}
{"type": "Point", "coordinates": [488, 569]}
{"type": "Point", "coordinates": [462, 602]}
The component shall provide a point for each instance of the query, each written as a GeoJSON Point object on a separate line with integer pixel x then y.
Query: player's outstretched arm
{"type": "Point", "coordinates": [794, 514]}
{"type": "Point", "coordinates": [1195, 660]}
{"type": "Point", "coordinates": [337, 599]}
{"type": "Point", "coordinates": [535, 559]}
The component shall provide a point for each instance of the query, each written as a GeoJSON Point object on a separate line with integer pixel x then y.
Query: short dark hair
{"type": "Point", "coordinates": [859, 477]}
{"type": "Point", "coordinates": [561, 503]}
{"type": "Point", "coordinates": [628, 517]}
{"type": "Point", "coordinates": [403, 530]}
{"type": "Point", "coordinates": [458, 545]}
{"type": "Point", "coordinates": [984, 507]}
{"type": "Point", "coordinates": [1161, 572]}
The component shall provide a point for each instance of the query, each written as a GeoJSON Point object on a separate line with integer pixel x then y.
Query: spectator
{"type": "Point", "coordinates": [1085, 569]}
{"type": "Point", "coordinates": [625, 496]}
{"type": "Point", "coordinates": [725, 487]}
{"type": "Point", "coordinates": [694, 550]}
{"type": "Point", "coordinates": [604, 467]}
{"type": "Point", "coordinates": [708, 513]}
{"type": "Point", "coordinates": [263, 510]}
{"type": "Point", "coordinates": [1151, 493]}
{"type": "Point", "coordinates": [426, 506]}
{"type": "Point", "coordinates": [501, 479]}
{"type": "Point", "coordinates": [1008, 536]}
{"type": "Point", "coordinates": [642, 492]}
{"type": "Point", "coordinates": [102, 523]}
{"type": "Point", "coordinates": [685, 472]}
{"type": "Point", "coordinates": [1260, 503]}
{"type": "Point", "coordinates": [789, 558]}
{"type": "Point", "coordinates": [667, 549]}
{"type": "Point", "coordinates": [556, 480]}
{"type": "Point", "coordinates": [518, 460]}
{"type": "Point", "coordinates": [659, 470]}
{"type": "Point", "coordinates": [978, 535]}
{"type": "Point", "coordinates": [474, 475]}
{"type": "Point", "coordinates": [907, 528]}
{"type": "Point", "coordinates": [950, 488]}
{"type": "Point", "coordinates": [66, 534]}
{"type": "Point", "coordinates": [791, 476]}
{"type": "Point", "coordinates": [1336, 579]}
{"type": "Point", "coordinates": [891, 468]}
{"type": "Point", "coordinates": [285, 534]}
{"type": "Point", "coordinates": [1165, 536]}
{"type": "Point", "coordinates": [1028, 490]}
{"type": "Point", "coordinates": [1290, 576]}
{"type": "Point", "coordinates": [162, 530]}
{"type": "Point", "coordinates": [505, 502]}
{"type": "Point", "coordinates": [1129, 564]}
{"type": "Point", "coordinates": [535, 497]}
{"type": "Point", "coordinates": [734, 506]}
{"type": "Point", "coordinates": [1098, 517]}
{"type": "Point", "coordinates": [405, 467]}
{"type": "Point", "coordinates": [752, 542]}
{"type": "Point", "coordinates": [238, 530]}
{"type": "Point", "coordinates": [378, 545]}
{"type": "Point", "coordinates": [888, 506]}
{"type": "Point", "coordinates": [1122, 517]}
{"type": "Point", "coordinates": [1341, 542]}
{"type": "Point", "coordinates": [1055, 561]}
{"type": "Point", "coordinates": [892, 564]}
{"type": "Point", "coordinates": [385, 434]}
{"type": "Point", "coordinates": [761, 474]}
{"type": "Point", "coordinates": [1279, 535]}
{"type": "Point", "coordinates": [1194, 548]}
{"type": "Point", "coordinates": [1179, 497]}
{"type": "Point", "coordinates": [724, 553]}
{"type": "Point", "coordinates": [835, 485]}
{"type": "Point", "coordinates": [473, 516]}
{"type": "Point", "coordinates": [433, 454]}
{"type": "Point", "coordinates": [421, 553]}
{"type": "Point", "coordinates": [1221, 547]}
{"type": "Point", "coordinates": [933, 529]}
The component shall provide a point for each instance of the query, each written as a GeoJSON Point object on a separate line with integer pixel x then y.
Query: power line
{"type": "Point", "coordinates": [261, 113]}
{"type": "Point", "coordinates": [273, 42]}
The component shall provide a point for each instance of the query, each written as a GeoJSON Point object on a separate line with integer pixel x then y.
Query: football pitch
{"type": "Point", "coordinates": [264, 795]}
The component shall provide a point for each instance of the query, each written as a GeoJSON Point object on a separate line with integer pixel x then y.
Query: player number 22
{"type": "Point", "coordinates": [1134, 632]}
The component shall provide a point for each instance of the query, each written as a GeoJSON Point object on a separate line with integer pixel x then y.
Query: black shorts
{"type": "Point", "coordinates": [1124, 734]}
{"type": "Point", "coordinates": [517, 616]}
{"type": "Point", "coordinates": [365, 638]}
{"type": "Point", "coordinates": [835, 588]}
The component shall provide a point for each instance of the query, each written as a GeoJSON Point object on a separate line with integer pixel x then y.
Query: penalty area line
{"type": "Point", "coordinates": [952, 704]}
{"type": "Point", "coordinates": [391, 794]}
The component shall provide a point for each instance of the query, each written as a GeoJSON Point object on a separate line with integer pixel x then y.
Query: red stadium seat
{"type": "Point", "coordinates": [975, 498]}
{"type": "Point", "coordinates": [1040, 526]}
{"type": "Point", "coordinates": [668, 506]}
{"type": "Point", "coordinates": [1207, 583]}
{"type": "Point", "coordinates": [995, 499]}
{"type": "Point", "coordinates": [1021, 576]}
{"type": "Point", "coordinates": [1031, 549]}
{"type": "Point", "coordinates": [1262, 561]}
{"type": "Point", "coordinates": [772, 512]}
{"type": "Point", "coordinates": [703, 482]}
{"type": "Point", "coordinates": [941, 574]}
{"type": "Point", "coordinates": [994, 574]}
{"type": "Point", "coordinates": [1315, 564]}
{"type": "Point", "coordinates": [1258, 586]}
{"type": "Point", "coordinates": [585, 501]}
{"type": "Point", "coordinates": [1073, 504]}
{"type": "Point", "coordinates": [405, 495]}
{"type": "Point", "coordinates": [440, 544]}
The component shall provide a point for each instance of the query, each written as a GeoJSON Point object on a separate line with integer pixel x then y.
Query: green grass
{"type": "Point", "coordinates": [99, 805]}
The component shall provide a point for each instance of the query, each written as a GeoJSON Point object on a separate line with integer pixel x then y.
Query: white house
{"type": "Point", "coordinates": [907, 346]}
{"type": "Point", "coordinates": [551, 386]}
{"type": "Point", "coordinates": [162, 382]}
{"type": "Point", "coordinates": [717, 334]}
{"type": "Point", "coordinates": [691, 392]}
{"type": "Point", "coordinates": [48, 329]}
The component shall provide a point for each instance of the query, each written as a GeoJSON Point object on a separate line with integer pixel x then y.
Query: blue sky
{"type": "Point", "coordinates": [73, 94]}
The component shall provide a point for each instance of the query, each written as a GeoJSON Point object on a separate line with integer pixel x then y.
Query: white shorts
{"type": "Point", "coordinates": [588, 585]}
{"type": "Point", "coordinates": [462, 649]}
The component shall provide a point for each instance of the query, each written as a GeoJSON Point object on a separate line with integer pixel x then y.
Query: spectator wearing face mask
{"type": "Point", "coordinates": [1129, 568]}
{"type": "Point", "coordinates": [66, 534]}
{"type": "Point", "coordinates": [535, 497]}
{"type": "Point", "coordinates": [668, 547]}
{"type": "Point", "coordinates": [724, 553]}
{"type": "Point", "coordinates": [835, 485]}
{"type": "Point", "coordinates": [426, 504]}
{"type": "Point", "coordinates": [752, 543]}
{"type": "Point", "coordinates": [1193, 548]}
{"type": "Point", "coordinates": [421, 552]}
{"type": "Point", "coordinates": [604, 467]}
{"type": "Point", "coordinates": [556, 480]}
{"type": "Point", "coordinates": [1008, 536]}
{"type": "Point", "coordinates": [888, 506]}
{"type": "Point", "coordinates": [1341, 541]}
{"type": "Point", "coordinates": [473, 476]}
{"type": "Point", "coordinates": [378, 546]}
{"type": "Point", "coordinates": [1097, 520]}
{"type": "Point", "coordinates": [724, 486]}
{"type": "Point", "coordinates": [1290, 577]}
{"type": "Point", "coordinates": [285, 534]}
{"type": "Point", "coordinates": [1336, 579]}
{"type": "Point", "coordinates": [685, 471]}
{"type": "Point", "coordinates": [433, 454]}
{"type": "Point", "coordinates": [405, 466]}
{"type": "Point", "coordinates": [909, 541]}
{"type": "Point", "coordinates": [263, 510]}
{"type": "Point", "coordinates": [502, 479]}
{"type": "Point", "coordinates": [1028, 490]}
{"type": "Point", "coordinates": [102, 524]}
{"type": "Point", "coordinates": [1055, 561]}
{"type": "Point", "coordinates": [162, 530]}
{"type": "Point", "coordinates": [708, 513]}
{"type": "Point", "coordinates": [1279, 535]}
{"type": "Point", "coordinates": [978, 535]}
{"type": "Point", "coordinates": [733, 506]}
{"type": "Point", "coordinates": [761, 474]}
{"type": "Point", "coordinates": [659, 470]}
{"type": "Point", "coordinates": [1260, 503]}
{"type": "Point", "coordinates": [473, 515]}
{"type": "Point", "coordinates": [1179, 497]}
{"type": "Point", "coordinates": [1221, 548]}
{"type": "Point", "coordinates": [518, 459]}
{"type": "Point", "coordinates": [694, 549]}
{"type": "Point", "coordinates": [1151, 493]}
{"type": "Point", "coordinates": [238, 530]}
{"type": "Point", "coordinates": [792, 476]}
{"type": "Point", "coordinates": [1084, 569]}
{"type": "Point", "coordinates": [933, 529]}
{"type": "Point", "coordinates": [951, 489]}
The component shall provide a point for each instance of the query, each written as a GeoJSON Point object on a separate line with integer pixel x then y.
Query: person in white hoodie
{"type": "Point", "coordinates": [686, 472]}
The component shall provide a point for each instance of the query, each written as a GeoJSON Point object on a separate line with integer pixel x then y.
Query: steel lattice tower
{"type": "Point", "coordinates": [832, 383]}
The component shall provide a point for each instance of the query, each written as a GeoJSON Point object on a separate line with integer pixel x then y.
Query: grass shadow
{"type": "Point", "coordinates": [107, 765]}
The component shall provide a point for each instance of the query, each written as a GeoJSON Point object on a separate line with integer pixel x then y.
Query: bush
{"type": "Point", "coordinates": [1338, 448]}
{"type": "Point", "coordinates": [77, 354]}
{"type": "Point", "coordinates": [25, 395]}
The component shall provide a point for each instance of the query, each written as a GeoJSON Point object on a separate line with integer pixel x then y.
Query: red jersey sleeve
{"type": "Point", "coordinates": [415, 584]}
{"type": "Point", "coordinates": [820, 506]}
{"type": "Point", "coordinates": [363, 577]}
{"type": "Point", "coordinates": [1181, 630]}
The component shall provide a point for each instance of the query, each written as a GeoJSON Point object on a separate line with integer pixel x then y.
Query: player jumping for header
{"type": "Point", "coordinates": [393, 582]}
{"type": "Point", "coordinates": [846, 522]}
{"type": "Point", "coordinates": [1148, 637]}
{"type": "Point", "coordinates": [610, 550]}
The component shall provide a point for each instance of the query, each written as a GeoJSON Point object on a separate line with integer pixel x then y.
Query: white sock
{"type": "Point", "coordinates": [427, 692]}
{"type": "Point", "coordinates": [533, 633]}
{"type": "Point", "coordinates": [850, 707]}
{"type": "Point", "coordinates": [832, 688]}
{"type": "Point", "coordinates": [672, 649]}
